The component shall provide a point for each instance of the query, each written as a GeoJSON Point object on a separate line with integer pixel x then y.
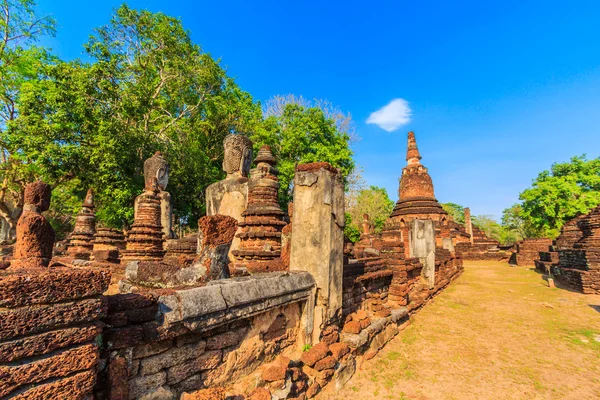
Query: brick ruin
{"type": "Point", "coordinates": [527, 251]}
{"type": "Point", "coordinates": [260, 229]}
{"type": "Point", "coordinates": [81, 242]}
{"type": "Point", "coordinates": [477, 245]}
{"type": "Point", "coordinates": [573, 259]}
{"type": "Point", "coordinates": [154, 321]}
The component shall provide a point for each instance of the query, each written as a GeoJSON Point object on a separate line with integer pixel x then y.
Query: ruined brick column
{"type": "Point", "coordinates": [260, 232]}
{"type": "Point", "coordinates": [108, 244]}
{"type": "Point", "coordinates": [49, 315]}
{"type": "Point", "coordinates": [468, 223]}
{"type": "Point", "coordinates": [35, 236]}
{"type": "Point", "coordinates": [81, 242]}
{"type": "Point", "coordinates": [145, 239]}
{"type": "Point", "coordinates": [318, 237]}
{"type": "Point", "coordinates": [366, 224]}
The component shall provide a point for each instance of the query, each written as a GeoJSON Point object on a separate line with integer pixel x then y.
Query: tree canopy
{"type": "Point", "coordinates": [373, 201]}
{"type": "Point", "coordinates": [560, 194]}
{"type": "Point", "coordinates": [146, 87]}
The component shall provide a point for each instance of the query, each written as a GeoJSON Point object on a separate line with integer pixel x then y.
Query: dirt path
{"type": "Point", "coordinates": [496, 333]}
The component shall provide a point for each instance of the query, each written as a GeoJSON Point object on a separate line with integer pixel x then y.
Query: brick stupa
{"type": "Point", "coordinates": [81, 242]}
{"type": "Point", "coordinates": [416, 199]}
{"type": "Point", "coordinates": [260, 231]}
{"type": "Point", "coordinates": [145, 239]}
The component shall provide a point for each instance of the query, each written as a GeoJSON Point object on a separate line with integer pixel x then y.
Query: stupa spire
{"type": "Point", "coordinates": [412, 151]}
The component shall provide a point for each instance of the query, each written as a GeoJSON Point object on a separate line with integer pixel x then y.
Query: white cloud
{"type": "Point", "coordinates": [392, 116]}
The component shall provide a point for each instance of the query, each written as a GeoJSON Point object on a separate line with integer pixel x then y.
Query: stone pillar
{"type": "Point", "coordinates": [468, 223]}
{"type": "Point", "coordinates": [318, 238]}
{"type": "Point", "coordinates": [366, 224]}
{"type": "Point", "coordinates": [422, 246]}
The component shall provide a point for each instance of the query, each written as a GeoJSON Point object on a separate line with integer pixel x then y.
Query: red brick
{"type": "Point", "coordinates": [326, 363]}
{"type": "Point", "coordinates": [33, 319]}
{"type": "Point", "coordinates": [339, 350]}
{"type": "Point", "coordinates": [260, 394]}
{"type": "Point", "coordinates": [78, 386]}
{"type": "Point", "coordinates": [51, 285]}
{"type": "Point", "coordinates": [60, 364]}
{"type": "Point", "coordinates": [128, 336]}
{"type": "Point", "coordinates": [118, 378]}
{"type": "Point", "coordinates": [47, 342]}
{"type": "Point", "coordinates": [352, 327]}
{"type": "Point", "coordinates": [316, 353]}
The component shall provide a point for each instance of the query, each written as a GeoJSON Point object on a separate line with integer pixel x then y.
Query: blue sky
{"type": "Point", "coordinates": [497, 92]}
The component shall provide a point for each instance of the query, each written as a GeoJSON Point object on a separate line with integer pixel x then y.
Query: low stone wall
{"type": "Point", "coordinates": [481, 252]}
{"type": "Point", "coordinates": [161, 344]}
{"type": "Point", "coordinates": [49, 331]}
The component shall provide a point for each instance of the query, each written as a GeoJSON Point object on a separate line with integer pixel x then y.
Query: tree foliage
{"type": "Point", "coordinates": [375, 202]}
{"type": "Point", "coordinates": [556, 196]}
{"type": "Point", "coordinates": [148, 88]}
{"type": "Point", "coordinates": [456, 211]}
{"type": "Point", "coordinates": [303, 135]}
{"type": "Point", "coordinates": [21, 62]}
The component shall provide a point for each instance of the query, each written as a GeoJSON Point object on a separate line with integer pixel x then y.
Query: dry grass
{"type": "Point", "coordinates": [498, 332]}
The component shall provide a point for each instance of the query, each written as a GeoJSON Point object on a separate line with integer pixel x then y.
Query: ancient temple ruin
{"type": "Point", "coordinates": [573, 259]}
{"type": "Point", "coordinates": [157, 319]}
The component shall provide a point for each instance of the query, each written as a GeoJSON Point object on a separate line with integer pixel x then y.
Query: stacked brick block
{"type": "Point", "coordinates": [49, 326]}
{"type": "Point", "coordinates": [81, 242]}
{"type": "Point", "coordinates": [528, 250]}
{"type": "Point", "coordinates": [145, 239]}
{"type": "Point", "coordinates": [574, 259]}
{"type": "Point", "coordinates": [108, 244]}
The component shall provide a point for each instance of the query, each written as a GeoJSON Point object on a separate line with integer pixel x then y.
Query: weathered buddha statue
{"type": "Point", "coordinates": [35, 236]}
{"type": "Point", "coordinates": [230, 196]}
{"type": "Point", "coordinates": [158, 167]}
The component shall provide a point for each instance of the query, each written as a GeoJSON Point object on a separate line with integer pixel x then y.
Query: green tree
{"type": "Point", "coordinates": [148, 88]}
{"type": "Point", "coordinates": [513, 218]}
{"type": "Point", "coordinates": [303, 135]}
{"type": "Point", "coordinates": [375, 202]}
{"type": "Point", "coordinates": [456, 211]}
{"type": "Point", "coordinates": [350, 229]}
{"type": "Point", "coordinates": [556, 196]}
{"type": "Point", "coordinates": [20, 62]}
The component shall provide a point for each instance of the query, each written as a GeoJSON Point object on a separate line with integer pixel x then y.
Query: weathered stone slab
{"type": "Point", "coordinates": [73, 387]}
{"type": "Point", "coordinates": [208, 360]}
{"type": "Point", "coordinates": [147, 384]}
{"type": "Point", "coordinates": [47, 342]}
{"type": "Point", "coordinates": [225, 300]}
{"type": "Point", "coordinates": [60, 364]}
{"type": "Point", "coordinates": [130, 301]}
{"type": "Point", "coordinates": [39, 318]}
{"type": "Point", "coordinates": [20, 288]}
{"type": "Point", "coordinates": [171, 357]}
